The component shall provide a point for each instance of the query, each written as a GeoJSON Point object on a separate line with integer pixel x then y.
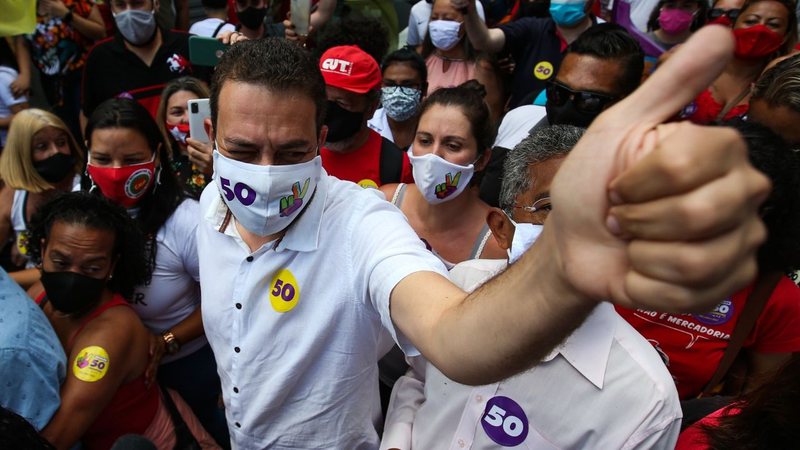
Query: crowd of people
{"type": "Point", "coordinates": [548, 224]}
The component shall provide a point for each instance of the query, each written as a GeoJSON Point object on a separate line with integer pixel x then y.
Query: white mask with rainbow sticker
{"type": "Point", "coordinates": [265, 199]}
{"type": "Point", "coordinates": [438, 179]}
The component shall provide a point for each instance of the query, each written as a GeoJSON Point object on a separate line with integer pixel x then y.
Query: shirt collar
{"type": "Point", "coordinates": [302, 234]}
{"type": "Point", "coordinates": [588, 347]}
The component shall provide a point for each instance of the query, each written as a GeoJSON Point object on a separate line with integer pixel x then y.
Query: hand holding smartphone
{"type": "Point", "coordinates": [301, 16]}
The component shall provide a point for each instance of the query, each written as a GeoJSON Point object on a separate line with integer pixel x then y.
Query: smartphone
{"type": "Point", "coordinates": [199, 109]}
{"type": "Point", "coordinates": [301, 16]}
{"type": "Point", "coordinates": [205, 51]}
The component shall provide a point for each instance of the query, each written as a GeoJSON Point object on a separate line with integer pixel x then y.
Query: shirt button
{"type": "Point", "coordinates": [236, 390]}
{"type": "Point", "coordinates": [238, 425]}
{"type": "Point", "coordinates": [237, 349]}
{"type": "Point", "coordinates": [479, 398]}
{"type": "Point", "coordinates": [249, 259]}
{"type": "Point", "coordinates": [461, 443]}
{"type": "Point", "coordinates": [238, 306]}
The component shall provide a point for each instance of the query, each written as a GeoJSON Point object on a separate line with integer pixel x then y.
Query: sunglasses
{"type": "Point", "coordinates": [584, 101]}
{"type": "Point", "coordinates": [716, 13]}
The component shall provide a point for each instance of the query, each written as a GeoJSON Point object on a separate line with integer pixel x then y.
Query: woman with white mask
{"type": "Point", "coordinates": [451, 149]}
{"type": "Point", "coordinates": [451, 59]}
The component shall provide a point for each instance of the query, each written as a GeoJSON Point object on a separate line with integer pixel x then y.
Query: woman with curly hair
{"type": "Point", "coordinates": [92, 258]}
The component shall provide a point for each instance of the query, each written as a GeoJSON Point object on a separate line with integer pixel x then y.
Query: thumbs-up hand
{"type": "Point", "coordinates": [659, 216]}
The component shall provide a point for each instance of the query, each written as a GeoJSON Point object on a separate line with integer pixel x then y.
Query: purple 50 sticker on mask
{"type": "Point", "coordinates": [505, 422]}
{"type": "Point", "coordinates": [240, 191]}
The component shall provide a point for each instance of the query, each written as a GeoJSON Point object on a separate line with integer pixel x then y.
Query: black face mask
{"type": "Point", "coordinates": [342, 124]}
{"type": "Point", "coordinates": [567, 114]}
{"type": "Point", "coordinates": [72, 293]}
{"type": "Point", "coordinates": [55, 168]}
{"type": "Point", "coordinates": [252, 18]}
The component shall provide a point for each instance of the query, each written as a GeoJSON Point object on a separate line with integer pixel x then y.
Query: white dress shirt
{"type": "Point", "coordinates": [297, 326]}
{"type": "Point", "coordinates": [603, 388]}
{"type": "Point", "coordinates": [380, 124]}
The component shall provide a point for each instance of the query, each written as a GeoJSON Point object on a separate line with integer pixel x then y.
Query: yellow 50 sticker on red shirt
{"type": "Point", "coordinates": [284, 291]}
{"type": "Point", "coordinates": [91, 364]}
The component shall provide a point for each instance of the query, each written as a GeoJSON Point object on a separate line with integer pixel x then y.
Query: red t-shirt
{"type": "Point", "coordinates": [362, 166]}
{"type": "Point", "coordinates": [692, 345]}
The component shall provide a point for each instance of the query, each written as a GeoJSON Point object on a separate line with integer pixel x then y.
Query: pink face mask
{"type": "Point", "coordinates": [675, 20]}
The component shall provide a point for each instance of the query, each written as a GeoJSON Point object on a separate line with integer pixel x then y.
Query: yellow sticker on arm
{"type": "Point", "coordinates": [91, 364]}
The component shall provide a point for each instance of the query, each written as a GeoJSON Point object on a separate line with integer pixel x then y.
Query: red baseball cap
{"type": "Point", "coordinates": [350, 68]}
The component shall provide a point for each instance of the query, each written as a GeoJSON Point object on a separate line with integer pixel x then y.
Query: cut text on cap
{"type": "Point", "coordinates": [337, 66]}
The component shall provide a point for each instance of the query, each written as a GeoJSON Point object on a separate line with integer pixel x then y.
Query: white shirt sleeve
{"type": "Point", "coordinates": [384, 250]}
{"type": "Point", "coordinates": [188, 217]}
{"type": "Point", "coordinates": [7, 76]}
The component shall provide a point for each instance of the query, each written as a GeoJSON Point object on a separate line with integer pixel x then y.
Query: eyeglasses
{"type": "Point", "coordinates": [584, 101]}
{"type": "Point", "coordinates": [543, 204]}
{"type": "Point", "coordinates": [716, 13]}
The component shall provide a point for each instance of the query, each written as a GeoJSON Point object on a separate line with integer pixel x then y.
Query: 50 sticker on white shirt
{"type": "Point", "coordinates": [284, 291]}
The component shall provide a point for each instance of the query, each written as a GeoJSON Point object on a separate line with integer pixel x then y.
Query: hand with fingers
{"type": "Point", "coordinates": [231, 37]}
{"type": "Point", "coordinates": [660, 216]}
{"type": "Point", "coordinates": [201, 154]}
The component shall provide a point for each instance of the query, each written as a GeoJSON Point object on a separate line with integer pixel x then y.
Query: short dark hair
{"type": "Point", "coordinates": [368, 33]}
{"type": "Point", "coordinates": [611, 41]}
{"type": "Point", "coordinates": [275, 64]}
{"type": "Point", "coordinates": [93, 211]}
{"type": "Point", "coordinates": [699, 19]}
{"type": "Point", "coordinates": [407, 55]}
{"type": "Point", "coordinates": [214, 4]}
{"type": "Point", "coordinates": [780, 212]}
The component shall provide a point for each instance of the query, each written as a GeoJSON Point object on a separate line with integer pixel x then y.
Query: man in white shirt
{"type": "Point", "coordinates": [565, 400]}
{"type": "Point", "coordinates": [216, 21]}
{"type": "Point", "coordinates": [298, 270]}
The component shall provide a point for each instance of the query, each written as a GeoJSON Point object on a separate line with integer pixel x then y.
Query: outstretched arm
{"type": "Point", "coordinates": [655, 216]}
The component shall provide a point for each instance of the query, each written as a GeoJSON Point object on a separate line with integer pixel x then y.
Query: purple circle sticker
{"type": "Point", "coordinates": [721, 314]}
{"type": "Point", "coordinates": [505, 422]}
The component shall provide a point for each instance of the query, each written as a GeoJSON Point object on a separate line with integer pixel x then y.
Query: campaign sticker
{"type": "Point", "coordinates": [137, 183]}
{"type": "Point", "coordinates": [543, 70]}
{"type": "Point", "coordinates": [91, 364]}
{"type": "Point", "coordinates": [505, 422]}
{"type": "Point", "coordinates": [721, 314]}
{"type": "Point", "coordinates": [284, 291]}
{"type": "Point", "coordinates": [366, 183]}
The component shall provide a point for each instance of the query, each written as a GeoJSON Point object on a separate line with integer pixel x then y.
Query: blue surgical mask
{"type": "Point", "coordinates": [567, 13]}
{"type": "Point", "coordinates": [400, 102]}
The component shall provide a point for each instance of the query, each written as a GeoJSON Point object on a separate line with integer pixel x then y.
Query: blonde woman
{"type": "Point", "coordinates": [40, 159]}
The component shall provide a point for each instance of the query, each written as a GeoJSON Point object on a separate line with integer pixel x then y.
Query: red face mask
{"type": "Point", "coordinates": [756, 42]}
{"type": "Point", "coordinates": [124, 186]}
{"type": "Point", "coordinates": [179, 131]}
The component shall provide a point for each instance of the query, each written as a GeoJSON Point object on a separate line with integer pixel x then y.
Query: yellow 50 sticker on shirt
{"type": "Point", "coordinates": [367, 183]}
{"type": "Point", "coordinates": [91, 364]}
{"type": "Point", "coordinates": [284, 291]}
{"type": "Point", "coordinates": [543, 70]}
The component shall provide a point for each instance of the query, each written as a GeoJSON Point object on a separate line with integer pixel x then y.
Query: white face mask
{"type": "Point", "coordinates": [136, 26]}
{"type": "Point", "coordinates": [525, 235]}
{"type": "Point", "coordinates": [444, 33]}
{"type": "Point", "coordinates": [265, 199]}
{"type": "Point", "coordinates": [438, 179]}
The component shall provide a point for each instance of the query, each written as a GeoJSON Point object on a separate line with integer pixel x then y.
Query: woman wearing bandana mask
{"type": "Point", "coordinates": [450, 149]}
{"type": "Point", "coordinates": [191, 159]}
{"type": "Point", "coordinates": [673, 21]}
{"type": "Point", "coordinates": [41, 159]}
{"type": "Point", "coordinates": [126, 164]}
{"type": "Point", "coordinates": [765, 29]}
{"type": "Point", "coordinates": [451, 59]}
{"type": "Point", "coordinates": [92, 255]}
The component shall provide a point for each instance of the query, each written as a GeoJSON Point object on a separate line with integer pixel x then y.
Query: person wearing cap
{"type": "Point", "coordinates": [353, 151]}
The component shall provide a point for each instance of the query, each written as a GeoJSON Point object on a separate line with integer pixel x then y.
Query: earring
{"type": "Point", "coordinates": [158, 179]}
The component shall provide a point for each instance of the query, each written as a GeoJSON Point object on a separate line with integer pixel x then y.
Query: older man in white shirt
{"type": "Point", "coordinates": [603, 387]}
